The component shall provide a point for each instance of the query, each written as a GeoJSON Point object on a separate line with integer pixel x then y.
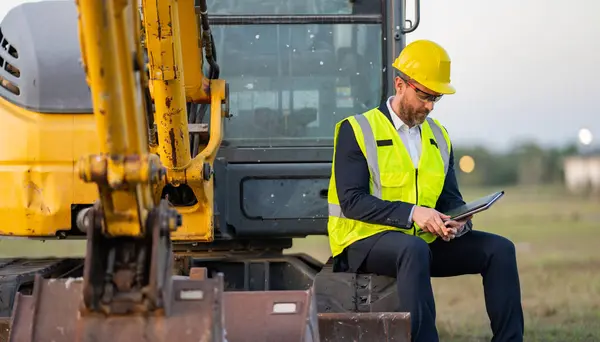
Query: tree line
{"type": "Point", "coordinates": [527, 163]}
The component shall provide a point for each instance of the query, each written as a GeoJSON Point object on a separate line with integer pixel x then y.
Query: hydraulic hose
{"type": "Point", "coordinates": [208, 41]}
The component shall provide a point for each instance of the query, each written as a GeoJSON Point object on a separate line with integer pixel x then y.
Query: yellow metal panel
{"type": "Point", "coordinates": [195, 83]}
{"type": "Point", "coordinates": [37, 179]}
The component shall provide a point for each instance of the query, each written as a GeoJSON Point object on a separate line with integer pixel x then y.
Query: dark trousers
{"type": "Point", "coordinates": [413, 262]}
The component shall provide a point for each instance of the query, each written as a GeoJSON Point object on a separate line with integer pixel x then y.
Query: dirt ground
{"type": "Point", "coordinates": [559, 261]}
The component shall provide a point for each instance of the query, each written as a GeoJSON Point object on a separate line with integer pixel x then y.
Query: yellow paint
{"type": "Point", "coordinates": [192, 58]}
{"type": "Point", "coordinates": [198, 222]}
{"type": "Point", "coordinates": [166, 74]}
{"type": "Point", "coordinates": [38, 182]}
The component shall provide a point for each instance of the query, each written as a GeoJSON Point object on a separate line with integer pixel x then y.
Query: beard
{"type": "Point", "coordinates": [412, 116]}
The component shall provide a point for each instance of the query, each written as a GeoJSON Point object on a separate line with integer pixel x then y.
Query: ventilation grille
{"type": "Point", "coordinates": [7, 67]}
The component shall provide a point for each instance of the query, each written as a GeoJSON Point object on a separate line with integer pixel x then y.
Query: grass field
{"type": "Point", "coordinates": [558, 247]}
{"type": "Point", "coordinates": [559, 260]}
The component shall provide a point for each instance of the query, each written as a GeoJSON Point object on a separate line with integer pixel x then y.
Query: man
{"type": "Point", "coordinates": [392, 178]}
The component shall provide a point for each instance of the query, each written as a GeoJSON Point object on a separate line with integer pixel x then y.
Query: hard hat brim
{"type": "Point", "coordinates": [439, 87]}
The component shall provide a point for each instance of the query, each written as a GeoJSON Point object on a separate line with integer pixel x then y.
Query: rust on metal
{"type": "Point", "coordinates": [53, 313]}
{"type": "Point", "coordinates": [4, 329]}
{"type": "Point", "coordinates": [270, 316]}
{"type": "Point", "coordinates": [173, 146]}
{"type": "Point", "coordinates": [365, 326]}
{"type": "Point", "coordinates": [198, 273]}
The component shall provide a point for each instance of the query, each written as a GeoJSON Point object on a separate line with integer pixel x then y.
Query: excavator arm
{"type": "Point", "coordinates": [129, 227]}
{"type": "Point", "coordinates": [128, 264]}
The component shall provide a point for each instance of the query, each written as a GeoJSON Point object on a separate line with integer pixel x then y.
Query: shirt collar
{"type": "Point", "coordinates": [398, 123]}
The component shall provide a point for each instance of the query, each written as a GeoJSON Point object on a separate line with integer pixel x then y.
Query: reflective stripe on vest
{"type": "Point", "coordinates": [441, 141]}
{"type": "Point", "coordinates": [371, 147]}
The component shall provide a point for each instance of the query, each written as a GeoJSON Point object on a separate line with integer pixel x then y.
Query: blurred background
{"type": "Point", "coordinates": [525, 120]}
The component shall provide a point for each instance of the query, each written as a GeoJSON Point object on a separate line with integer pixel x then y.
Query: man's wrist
{"type": "Point", "coordinates": [410, 216]}
{"type": "Point", "coordinates": [467, 227]}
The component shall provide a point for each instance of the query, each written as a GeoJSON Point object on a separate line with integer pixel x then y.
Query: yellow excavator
{"type": "Point", "coordinates": [188, 142]}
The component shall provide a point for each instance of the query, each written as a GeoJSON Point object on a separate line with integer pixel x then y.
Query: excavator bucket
{"type": "Point", "coordinates": [52, 314]}
{"type": "Point", "coordinates": [199, 311]}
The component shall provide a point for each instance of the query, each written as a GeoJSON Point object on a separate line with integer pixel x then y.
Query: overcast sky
{"type": "Point", "coordinates": [523, 69]}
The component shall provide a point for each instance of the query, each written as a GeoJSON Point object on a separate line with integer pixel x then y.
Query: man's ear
{"type": "Point", "coordinates": [399, 85]}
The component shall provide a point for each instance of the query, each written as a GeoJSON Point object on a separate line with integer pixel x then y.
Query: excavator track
{"type": "Point", "coordinates": [18, 275]}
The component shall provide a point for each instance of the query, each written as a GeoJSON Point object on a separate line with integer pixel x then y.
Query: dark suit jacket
{"type": "Point", "coordinates": [352, 184]}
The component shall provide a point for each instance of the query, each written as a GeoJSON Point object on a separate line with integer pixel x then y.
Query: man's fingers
{"type": "Point", "coordinates": [432, 221]}
{"type": "Point", "coordinates": [451, 235]}
{"type": "Point", "coordinates": [452, 232]}
{"type": "Point", "coordinates": [452, 224]}
{"type": "Point", "coordinates": [434, 229]}
{"type": "Point", "coordinates": [430, 226]}
{"type": "Point", "coordinates": [440, 227]}
{"type": "Point", "coordinates": [426, 227]}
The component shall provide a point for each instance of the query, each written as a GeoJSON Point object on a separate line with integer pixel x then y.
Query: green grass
{"type": "Point", "coordinates": [559, 260]}
{"type": "Point", "coordinates": [558, 250]}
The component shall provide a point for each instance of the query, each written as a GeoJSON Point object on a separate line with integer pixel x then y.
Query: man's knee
{"type": "Point", "coordinates": [502, 248]}
{"type": "Point", "coordinates": [416, 251]}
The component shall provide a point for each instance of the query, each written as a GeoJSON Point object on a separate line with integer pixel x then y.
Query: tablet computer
{"type": "Point", "coordinates": [476, 206]}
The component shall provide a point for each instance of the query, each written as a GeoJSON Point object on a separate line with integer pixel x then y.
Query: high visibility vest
{"type": "Point", "coordinates": [393, 176]}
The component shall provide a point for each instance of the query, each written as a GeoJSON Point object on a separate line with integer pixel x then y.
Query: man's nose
{"type": "Point", "coordinates": [429, 105]}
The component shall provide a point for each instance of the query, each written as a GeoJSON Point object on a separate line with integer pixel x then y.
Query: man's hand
{"type": "Point", "coordinates": [431, 220]}
{"type": "Point", "coordinates": [455, 227]}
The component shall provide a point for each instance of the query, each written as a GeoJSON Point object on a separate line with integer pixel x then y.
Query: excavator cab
{"type": "Point", "coordinates": [292, 70]}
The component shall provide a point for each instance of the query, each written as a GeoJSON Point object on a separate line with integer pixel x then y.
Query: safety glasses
{"type": "Point", "coordinates": [423, 96]}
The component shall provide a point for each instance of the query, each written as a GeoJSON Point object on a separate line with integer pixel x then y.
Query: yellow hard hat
{"type": "Point", "coordinates": [427, 63]}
